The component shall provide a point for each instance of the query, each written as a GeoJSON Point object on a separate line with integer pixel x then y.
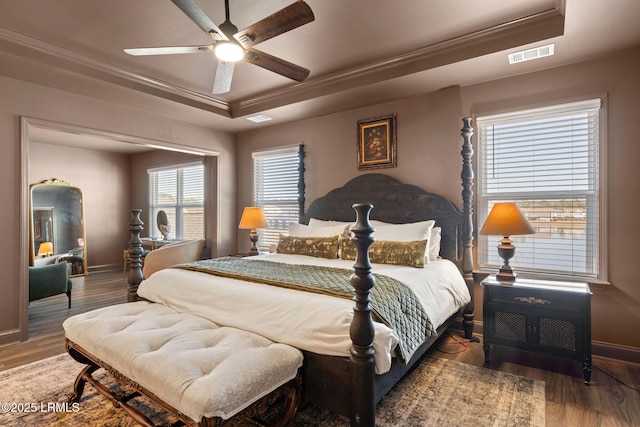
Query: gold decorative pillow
{"type": "Point", "coordinates": [319, 247]}
{"type": "Point", "coordinates": [386, 252]}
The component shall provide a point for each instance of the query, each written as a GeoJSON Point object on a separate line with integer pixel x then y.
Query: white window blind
{"type": "Point", "coordinates": [275, 186]}
{"type": "Point", "coordinates": [179, 192]}
{"type": "Point", "coordinates": [547, 161]}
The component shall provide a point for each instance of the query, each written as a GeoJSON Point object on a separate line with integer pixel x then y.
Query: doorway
{"type": "Point", "coordinates": [37, 133]}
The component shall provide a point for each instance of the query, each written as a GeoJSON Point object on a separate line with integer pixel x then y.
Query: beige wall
{"type": "Point", "coordinates": [34, 101]}
{"type": "Point", "coordinates": [428, 138]}
{"type": "Point", "coordinates": [429, 145]}
{"type": "Point", "coordinates": [104, 180]}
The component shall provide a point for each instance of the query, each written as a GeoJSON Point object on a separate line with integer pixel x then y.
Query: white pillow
{"type": "Point", "coordinates": [404, 232]}
{"type": "Point", "coordinates": [377, 223]}
{"type": "Point", "coordinates": [314, 222]}
{"type": "Point", "coordinates": [301, 230]}
{"type": "Point", "coordinates": [408, 233]}
{"type": "Point", "coordinates": [434, 243]}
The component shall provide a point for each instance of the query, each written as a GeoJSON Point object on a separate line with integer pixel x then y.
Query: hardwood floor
{"type": "Point", "coordinates": [46, 336]}
{"type": "Point", "coordinates": [612, 399]}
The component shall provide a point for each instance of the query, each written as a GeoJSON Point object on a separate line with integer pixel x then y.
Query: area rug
{"type": "Point", "coordinates": [439, 392]}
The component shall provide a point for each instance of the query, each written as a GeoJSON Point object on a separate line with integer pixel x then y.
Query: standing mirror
{"type": "Point", "coordinates": [57, 226]}
{"type": "Point", "coordinates": [163, 225]}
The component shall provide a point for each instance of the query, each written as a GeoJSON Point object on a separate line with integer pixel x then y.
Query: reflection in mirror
{"type": "Point", "coordinates": [57, 226]}
{"type": "Point", "coordinates": [163, 225]}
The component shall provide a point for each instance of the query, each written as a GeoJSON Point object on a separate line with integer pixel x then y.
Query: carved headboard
{"type": "Point", "coordinates": [393, 202]}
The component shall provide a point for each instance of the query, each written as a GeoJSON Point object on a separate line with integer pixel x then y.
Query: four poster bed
{"type": "Point", "coordinates": [341, 371]}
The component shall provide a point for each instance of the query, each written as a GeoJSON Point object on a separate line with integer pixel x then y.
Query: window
{"type": "Point", "coordinates": [276, 177]}
{"type": "Point", "coordinates": [178, 191]}
{"type": "Point", "coordinates": [547, 161]}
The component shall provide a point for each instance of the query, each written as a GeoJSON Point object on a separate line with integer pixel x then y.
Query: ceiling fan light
{"type": "Point", "coordinates": [228, 52]}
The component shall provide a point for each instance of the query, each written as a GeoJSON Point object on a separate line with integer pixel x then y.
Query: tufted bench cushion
{"type": "Point", "coordinates": [194, 365]}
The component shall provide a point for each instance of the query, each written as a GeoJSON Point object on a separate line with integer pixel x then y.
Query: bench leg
{"type": "Point", "coordinates": [286, 398]}
{"type": "Point", "coordinates": [81, 380]}
{"type": "Point", "coordinates": [118, 400]}
{"type": "Point", "coordinates": [291, 396]}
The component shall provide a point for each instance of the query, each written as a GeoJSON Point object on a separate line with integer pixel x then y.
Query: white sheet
{"type": "Point", "coordinates": [308, 321]}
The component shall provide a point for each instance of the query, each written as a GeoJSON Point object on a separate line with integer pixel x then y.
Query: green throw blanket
{"type": "Point", "coordinates": [392, 301]}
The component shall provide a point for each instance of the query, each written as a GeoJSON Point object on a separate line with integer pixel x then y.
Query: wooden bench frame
{"type": "Point", "coordinates": [287, 396]}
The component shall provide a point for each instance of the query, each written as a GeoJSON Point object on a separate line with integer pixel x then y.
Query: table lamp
{"type": "Point", "coordinates": [45, 249]}
{"type": "Point", "coordinates": [506, 219]}
{"type": "Point", "coordinates": [252, 219]}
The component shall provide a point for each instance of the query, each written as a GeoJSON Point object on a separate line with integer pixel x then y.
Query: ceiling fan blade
{"type": "Point", "coordinates": [277, 65]}
{"type": "Point", "coordinates": [222, 81]}
{"type": "Point", "coordinates": [288, 18]}
{"type": "Point", "coordinates": [172, 50]}
{"type": "Point", "coordinates": [197, 15]}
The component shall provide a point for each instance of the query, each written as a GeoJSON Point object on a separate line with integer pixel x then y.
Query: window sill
{"type": "Point", "coordinates": [601, 284]}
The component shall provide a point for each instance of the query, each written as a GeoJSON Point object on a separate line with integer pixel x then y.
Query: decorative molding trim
{"type": "Point", "coordinates": [532, 300]}
{"type": "Point", "coordinates": [615, 351]}
{"type": "Point", "coordinates": [131, 139]}
{"type": "Point", "coordinates": [528, 29]}
{"type": "Point", "coordinates": [57, 56]}
{"type": "Point", "coordinates": [11, 336]}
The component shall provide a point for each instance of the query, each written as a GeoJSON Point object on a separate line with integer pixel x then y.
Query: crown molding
{"type": "Point", "coordinates": [44, 52]}
{"type": "Point", "coordinates": [519, 32]}
{"type": "Point", "coordinates": [529, 29]}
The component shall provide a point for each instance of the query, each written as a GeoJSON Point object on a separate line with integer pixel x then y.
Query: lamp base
{"type": "Point", "coordinates": [506, 275]}
{"type": "Point", "coordinates": [253, 236]}
{"type": "Point", "coordinates": [506, 250]}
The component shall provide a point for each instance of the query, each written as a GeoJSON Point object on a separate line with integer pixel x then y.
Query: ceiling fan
{"type": "Point", "coordinates": [231, 45]}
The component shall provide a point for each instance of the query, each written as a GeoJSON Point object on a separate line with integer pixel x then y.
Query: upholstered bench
{"type": "Point", "coordinates": [198, 371]}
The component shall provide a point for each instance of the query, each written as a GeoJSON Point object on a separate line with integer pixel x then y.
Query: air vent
{"type": "Point", "coordinates": [529, 54]}
{"type": "Point", "coordinates": [259, 118]}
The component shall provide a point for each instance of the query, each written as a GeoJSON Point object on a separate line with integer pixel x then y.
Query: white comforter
{"type": "Point", "coordinates": [308, 321]}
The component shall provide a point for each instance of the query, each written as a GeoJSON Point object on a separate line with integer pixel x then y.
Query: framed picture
{"type": "Point", "coordinates": [377, 142]}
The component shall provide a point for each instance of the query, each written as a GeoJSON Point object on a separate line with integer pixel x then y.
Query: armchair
{"type": "Point", "coordinates": [168, 255]}
{"type": "Point", "coordinates": [49, 280]}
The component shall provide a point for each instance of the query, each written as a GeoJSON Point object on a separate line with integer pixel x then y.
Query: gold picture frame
{"type": "Point", "coordinates": [377, 142]}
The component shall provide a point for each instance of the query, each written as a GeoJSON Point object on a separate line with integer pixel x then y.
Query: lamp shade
{"type": "Point", "coordinates": [45, 248]}
{"type": "Point", "coordinates": [506, 219]}
{"type": "Point", "coordinates": [252, 218]}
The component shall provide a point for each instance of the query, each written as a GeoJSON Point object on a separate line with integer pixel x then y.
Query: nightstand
{"type": "Point", "coordinates": [540, 316]}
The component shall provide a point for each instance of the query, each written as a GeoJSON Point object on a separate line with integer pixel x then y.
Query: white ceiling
{"type": "Point", "coordinates": [360, 52]}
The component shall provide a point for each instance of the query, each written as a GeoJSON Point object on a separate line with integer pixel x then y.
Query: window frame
{"type": "Point", "coordinates": [177, 232]}
{"type": "Point", "coordinates": [485, 242]}
{"type": "Point", "coordinates": [294, 205]}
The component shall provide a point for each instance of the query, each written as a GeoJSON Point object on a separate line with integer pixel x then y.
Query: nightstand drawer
{"type": "Point", "coordinates": [565, 301]}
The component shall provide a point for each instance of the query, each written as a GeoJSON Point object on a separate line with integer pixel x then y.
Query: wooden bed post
{"type": "Point", "coordinates": [467, 225]}
{"type": "Point", "coordinates": [361, 331]}
{"type": "Point", "coordinates": [134, 276]}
